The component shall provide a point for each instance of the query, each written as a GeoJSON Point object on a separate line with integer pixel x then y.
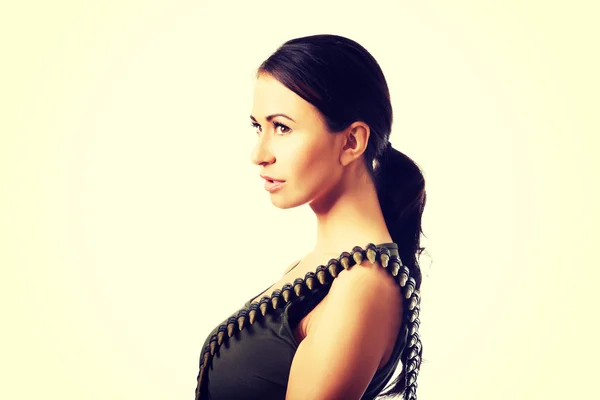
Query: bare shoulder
{"type": "Point", "coordinates": [366, 288]}
{"type": "Point", "coordinates": [357, 325]}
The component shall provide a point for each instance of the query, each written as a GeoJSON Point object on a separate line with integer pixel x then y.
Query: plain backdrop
{"type": "Point", "coordinates": [132, 221]}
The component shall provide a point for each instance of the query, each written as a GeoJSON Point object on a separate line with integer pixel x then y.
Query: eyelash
{"type": "Point", "coordinates": [275, 124]}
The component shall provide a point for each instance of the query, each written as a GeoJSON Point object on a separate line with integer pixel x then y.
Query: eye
{"type": "Point", "coordinates": [255, 125]}
{"type": "Point", "coordinates": [280, 125]}
{"type": "Point", "coordinates": [283, 128]}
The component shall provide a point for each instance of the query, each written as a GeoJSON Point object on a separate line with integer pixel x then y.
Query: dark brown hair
{"type": "Point", "coordinates": [346, 84]}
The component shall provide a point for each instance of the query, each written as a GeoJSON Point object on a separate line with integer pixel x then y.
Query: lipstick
{"type": "Point", "coordinates": [273, 186]}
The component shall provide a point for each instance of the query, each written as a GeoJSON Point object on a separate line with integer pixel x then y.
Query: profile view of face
{"type": "Point", "coordinates": [293, 146]}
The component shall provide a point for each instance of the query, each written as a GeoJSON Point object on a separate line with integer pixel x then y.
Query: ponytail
{"type": "Point", "coordinates": [401, 191]}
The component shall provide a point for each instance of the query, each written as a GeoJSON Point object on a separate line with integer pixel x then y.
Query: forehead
{"type": "Point", "coordinates": [271, 96]}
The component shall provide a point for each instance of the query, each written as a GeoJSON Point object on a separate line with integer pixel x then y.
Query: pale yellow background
{"type": "Point", "coordinates": [128, 199]}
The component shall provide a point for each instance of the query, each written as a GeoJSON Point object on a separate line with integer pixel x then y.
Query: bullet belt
{"type": "Point", "coordinates": [324, 275]}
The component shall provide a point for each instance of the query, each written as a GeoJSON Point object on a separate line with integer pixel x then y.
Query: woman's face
{"type": "Point", "coordinates": [298, 150]}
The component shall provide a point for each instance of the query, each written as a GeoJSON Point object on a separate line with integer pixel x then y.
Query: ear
{"type": "Point", "coordinates": [355, 140]}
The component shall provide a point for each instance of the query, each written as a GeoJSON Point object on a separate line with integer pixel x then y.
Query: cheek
{"type": "Point", "coordinates": [316, 168]}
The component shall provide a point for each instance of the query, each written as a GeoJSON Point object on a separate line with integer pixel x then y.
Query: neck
{"type": "Point", "coordinates": [349, 216]}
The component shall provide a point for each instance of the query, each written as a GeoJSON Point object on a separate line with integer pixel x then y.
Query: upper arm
{"type": "Point", "coordinates": [343, 349]}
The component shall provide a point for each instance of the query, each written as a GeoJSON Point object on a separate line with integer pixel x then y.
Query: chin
{"type": "Point", "coordinates": [284, 202]}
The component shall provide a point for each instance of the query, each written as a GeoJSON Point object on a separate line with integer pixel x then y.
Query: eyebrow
{"type": "Point", "coordinates": [270, 117]}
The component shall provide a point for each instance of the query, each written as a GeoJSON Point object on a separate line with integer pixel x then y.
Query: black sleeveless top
{"type": "Point", "coordinates": [254, 362]}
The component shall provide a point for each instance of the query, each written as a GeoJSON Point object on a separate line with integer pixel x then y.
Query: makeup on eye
{"type": "Point", "coordinates": [276, 125]}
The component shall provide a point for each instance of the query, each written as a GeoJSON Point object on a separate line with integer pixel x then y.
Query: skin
{"type": "Point", "coordinates": [337, 357]}
{"type": "Point", "coordinates": [322, 169]}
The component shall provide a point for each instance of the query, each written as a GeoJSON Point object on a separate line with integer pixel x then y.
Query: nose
{"type": "Point", "coordinates": [262, 154]}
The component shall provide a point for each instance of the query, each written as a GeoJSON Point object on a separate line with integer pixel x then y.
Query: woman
{"type": "Point", "coordinates": [342, 318]}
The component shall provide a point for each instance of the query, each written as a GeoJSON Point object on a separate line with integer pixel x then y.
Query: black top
{"type": "Point", "coordinates": [255, 363]}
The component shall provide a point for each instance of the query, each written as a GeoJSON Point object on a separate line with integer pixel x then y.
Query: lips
{"type": "Point", "coordinates": [271, 180]}
{"type": "Point", "coordinates": [273, 186]}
